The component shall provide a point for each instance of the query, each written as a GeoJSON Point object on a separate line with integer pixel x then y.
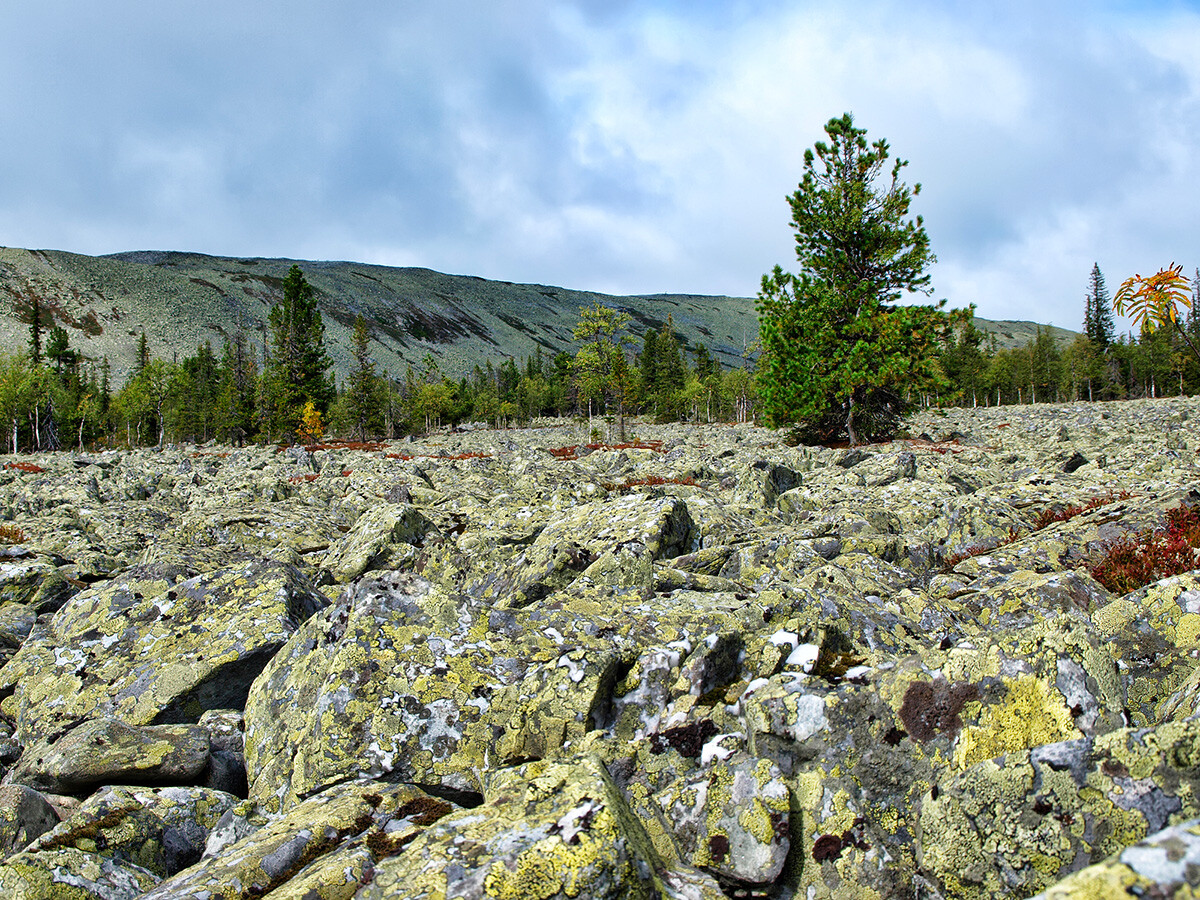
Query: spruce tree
{"type": "Point", "coordinates": [1098, 317]}
{"type": "Point", "coordinates": [35, 329]}
{"type": "Point", "coordinates": [365, 394]}
{"type": "Point", "coordinates": [299, 366]}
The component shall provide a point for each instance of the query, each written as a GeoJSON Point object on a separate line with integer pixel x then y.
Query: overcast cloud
{"type": "Point", "coordinates": [627, 147]}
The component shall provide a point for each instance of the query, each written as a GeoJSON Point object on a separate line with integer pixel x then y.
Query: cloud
{"type": "Point", "coordinates": [625, 146]}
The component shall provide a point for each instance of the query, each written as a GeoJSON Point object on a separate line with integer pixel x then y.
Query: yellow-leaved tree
{"type": "Point", "coordinates": [1154, 302]}
{"type": "Point", "coordinates": [311, 426]}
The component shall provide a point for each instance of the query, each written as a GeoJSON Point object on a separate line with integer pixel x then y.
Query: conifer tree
{"type": "Point", "coordinates": [365, 396]}
{"type": "Point", "coordinates": [35, 329]}
{"type": "Point", "coordinates": [299, 366]}
{"type": "Point", "coordinates": [1098, 317]}
{"type": "Point", "coordinates": [838, 354]}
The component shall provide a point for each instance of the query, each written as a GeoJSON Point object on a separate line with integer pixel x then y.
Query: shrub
{"type": "Point", "coordinates": [1141, 559]}
{"type": "Point", "coordinates": [24, 467]}
{"type": "Point", "coordinates": [11, 534]}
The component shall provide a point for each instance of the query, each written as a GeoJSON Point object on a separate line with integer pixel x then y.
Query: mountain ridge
{"type": "Point", "coordinates": [182, 298]}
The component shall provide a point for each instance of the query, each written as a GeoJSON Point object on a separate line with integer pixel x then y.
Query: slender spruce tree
{"type": "Point", "coordinates": [299, 369]}
{"type": "Point", "coordinates": [1098, 316]}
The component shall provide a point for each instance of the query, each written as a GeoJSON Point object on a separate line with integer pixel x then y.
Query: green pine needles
{"type": "Point", "coordinates": [298, 371]}
{"type": "Point", "coordinates": [840, 358]}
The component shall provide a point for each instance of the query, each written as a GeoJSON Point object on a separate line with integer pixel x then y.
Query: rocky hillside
{"type": "Point", "coordinates": [183, 299]}
{"type": "Point", "coordinates": [501, 664]}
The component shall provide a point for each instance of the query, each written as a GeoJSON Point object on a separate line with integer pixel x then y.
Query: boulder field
{"type": "Point", "coordinates": [697, 665]}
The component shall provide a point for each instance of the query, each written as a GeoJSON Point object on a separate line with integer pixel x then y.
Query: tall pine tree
{"type": "Point", "coordinates": [299, 370]}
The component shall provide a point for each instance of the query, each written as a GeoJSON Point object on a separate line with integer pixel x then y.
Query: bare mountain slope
{"type": "Point", "coordinates": [183, 299]}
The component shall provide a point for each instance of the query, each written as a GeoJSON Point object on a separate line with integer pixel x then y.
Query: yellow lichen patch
{"type": "Point", "coordinates": [1030, 714]}
{"type": "Point", "coordinates": [1187, 631]}
{"type": "Point", "coordinates": [1099, 882]}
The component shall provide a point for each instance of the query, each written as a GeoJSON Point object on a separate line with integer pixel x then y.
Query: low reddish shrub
{"type": "Point", "coordinates": [949, 562]}
{"type": "Point", "coordinates": [24, 467]}
{"type": "Point", "coordinates": [11, 534]}
{"type": "Point", "coordinates": [1048, 517]}
{"type": "Point", "coordinates": [368, 446]}
{"type": "Point", "coordinates": [1141, 559]}
{"type": "Point", "coordinates": [574, 450]}
{"type": "Point", "coordinates": [409, 458]}
{"type": "Point", "coordinates": [649, 481]}
{"type": "Point", "coordinates": [306, 479]}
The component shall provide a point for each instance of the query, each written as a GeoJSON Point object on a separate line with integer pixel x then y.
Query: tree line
{"type": "Point", "coordinates": [51, 397]}
{"type": "Point", "coordinates": [1096, 365]}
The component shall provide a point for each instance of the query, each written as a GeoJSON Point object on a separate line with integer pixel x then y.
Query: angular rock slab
{"type": "Point", "coordinates": [24, 815]}
{"type": "Point", "coordinates": [648, 528]}
{"type": "Point", "coordinates": [1019, 823]}
{"type": "Point", "coordinates": [548, 830]}
{"type": "Point", "coordinates": [71, 874]}
{"type": "Point", "coordinates": [370, 543]}
{"type": "Point", "coordinates": [389, 683]}
{"type": "Point", "coordinates": [106, 751]}
{"type": "Point", "coordinates": [154, 650]}
{"type": "Point", "coordinates": [328, 843]}
{"type": "Point", "coordinates": [162, 830]}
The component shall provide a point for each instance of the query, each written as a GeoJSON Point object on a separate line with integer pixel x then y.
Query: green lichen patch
{"type": "Point", "coordinates": [547, 831]}
{"type": "Point", "coordinates": [108, 750]}
{"type": "Point", "coordinates": [324, 840]}
{"type": "Point", "coordinates": [1023, 821]}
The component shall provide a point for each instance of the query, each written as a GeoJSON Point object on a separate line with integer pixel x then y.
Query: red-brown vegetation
{"type": "Point", "coordinates": [1141, 559]}
{"type": "Point", "coordinates": [11, 534]}
{"type": "Point", "coordinates": [574, 451]}
{"type": "Point", "coordinates": [24, 467]}
{"type": "Point", "coordinates": [404, 457]}
{"type": "Point", "coordinates": [649, 481]}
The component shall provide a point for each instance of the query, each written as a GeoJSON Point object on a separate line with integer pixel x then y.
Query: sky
{"type": "Point", "coordinates": [622, 146]}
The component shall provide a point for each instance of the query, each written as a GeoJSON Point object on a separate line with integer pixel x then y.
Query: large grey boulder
{"type": "Point", "coordinates": [152, 647]}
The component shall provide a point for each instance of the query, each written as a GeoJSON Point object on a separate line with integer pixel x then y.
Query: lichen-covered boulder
{"type": "Point", "coordinates": [1154, 634]}
{"type": "Point", "coordinates": [1020, 822]}
{"type": "Point", "coordinates": [110, 751]}
{"type": "Point", "coordinates": [732, 819]}
{"type": "Point", "coordinates": [356, 825]}
{"type": "Point", "coordinates": [263, 528]}
{"type": "Point", "coordinates": [395, 680]}
{"type": "Point", "coordinates": [34, 581]}
{"type": "Point", "coordinates": [16, 621]}
{"type": "Point", "coordinates": [72, 874]}
{"type": "Point", "coordinates": [551, 830]}
{"type": "Point", "coordinates": [162, 830]}
{"type": "Point", "coordinates": [24, 814]}
{"type": "Point", "coordinates": [630, 529]}
{"type": "Point", "coordinates": [1165, 864]}
{"type": "Point", "coordinates": [152, 648]}
{"type": "Point", "coordinates": [380, 538]}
